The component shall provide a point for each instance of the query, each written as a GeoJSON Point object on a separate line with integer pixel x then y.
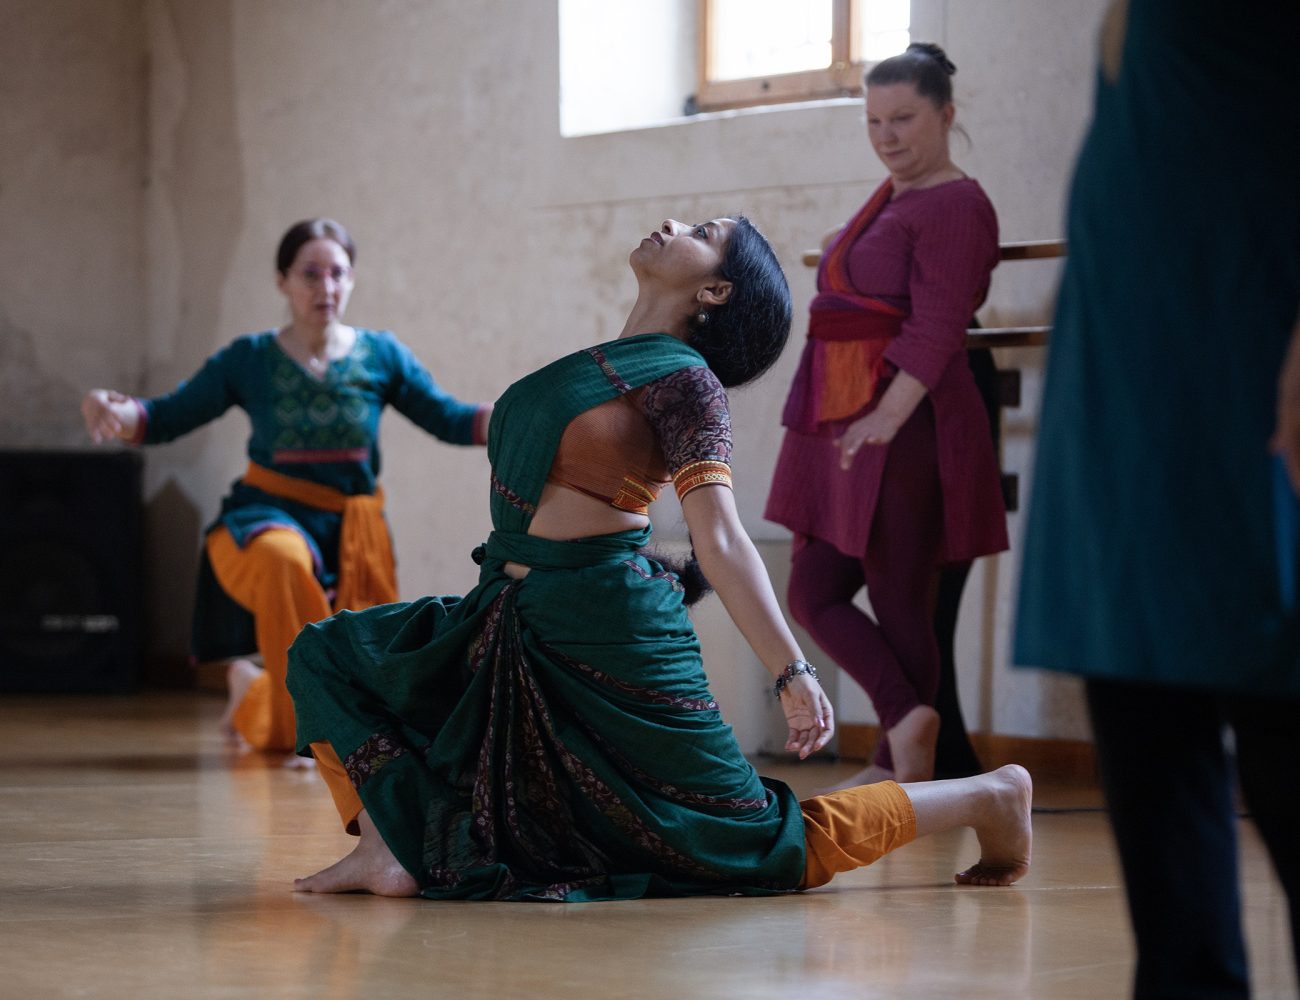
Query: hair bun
{"type": "Point", "coordinates": [936, 53]}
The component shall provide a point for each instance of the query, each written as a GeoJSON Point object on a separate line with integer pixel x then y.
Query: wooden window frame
{"type": "Point", "coordinates": [842, 78]}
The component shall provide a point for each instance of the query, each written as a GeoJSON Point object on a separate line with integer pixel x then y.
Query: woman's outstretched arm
{"type": "Point", "coordinates": [732, 565]}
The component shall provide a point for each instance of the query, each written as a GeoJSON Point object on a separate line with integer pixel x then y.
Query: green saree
{"type": "Point", "coordinates": [551, 737]}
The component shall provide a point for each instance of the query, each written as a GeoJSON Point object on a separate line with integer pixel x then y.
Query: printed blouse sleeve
{"type": "Point", "coordinates": [955, 250]}
{"type": "Point", "coordinates": [692, 422]}
{"type": "Point", "coordinates": [415, 394]}
{"type": "Point", "coordinates": [200, 399]}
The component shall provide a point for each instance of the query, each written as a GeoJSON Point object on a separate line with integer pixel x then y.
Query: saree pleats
{"type": "Point", "coordinates": [548, 756]}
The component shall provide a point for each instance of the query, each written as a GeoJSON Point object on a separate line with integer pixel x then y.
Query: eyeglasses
{"type": "Point", "coordinates": [314, 276]}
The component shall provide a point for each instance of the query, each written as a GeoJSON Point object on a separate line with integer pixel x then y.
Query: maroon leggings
{"type": "Point", "coordinates": [896, 657]}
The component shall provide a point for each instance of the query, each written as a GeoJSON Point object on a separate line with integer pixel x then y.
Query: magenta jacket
{"type": "Point", "coordinates": [929, 252]}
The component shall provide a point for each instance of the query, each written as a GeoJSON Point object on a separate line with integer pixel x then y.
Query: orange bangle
{"type": "Point", "coordinates": [688, 477]}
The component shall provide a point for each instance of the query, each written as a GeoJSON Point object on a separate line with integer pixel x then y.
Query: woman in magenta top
{"type": "Point", "coordinates": [887, 471]}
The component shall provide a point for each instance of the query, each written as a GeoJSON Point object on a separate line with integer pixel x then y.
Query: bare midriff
{"type": "Point", "coordinates": [564, 514]}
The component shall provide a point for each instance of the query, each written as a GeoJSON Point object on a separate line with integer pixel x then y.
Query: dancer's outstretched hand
{"type": "Point", "coordinates": [809, 714]}
{"type": "Point", "coordinates": [109, 415]}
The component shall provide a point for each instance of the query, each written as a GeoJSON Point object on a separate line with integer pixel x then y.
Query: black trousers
{"type": "Point", "coordinates": [1170, 787]}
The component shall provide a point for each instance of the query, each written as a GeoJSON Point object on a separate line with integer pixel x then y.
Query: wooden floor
{"type": "Point", "coordinates": [141, 857]}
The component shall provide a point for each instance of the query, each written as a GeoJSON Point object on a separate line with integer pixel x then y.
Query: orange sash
{"type": "Point", "coordinates": [852, 362]}
{"type": "Point", "coordinates": [848, 333]}
{"type": "Point", "coordinates": [834, 274]}
{"type": "Point", "coordinates": [367, 569]}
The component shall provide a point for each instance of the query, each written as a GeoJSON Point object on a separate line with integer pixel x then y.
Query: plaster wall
{"type": "Point", "coordinates": [487, 241]}
{"type": "Point", "coordinates": [72, 172]}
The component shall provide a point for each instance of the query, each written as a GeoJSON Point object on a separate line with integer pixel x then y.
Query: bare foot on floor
{"type": "Point", "coordinates": [1006, 831]}
{"type": "Point", "coordinates": [912, 740]}
{"type": "Point", "coordinates": [295, 763]}
{"type": "Point", "coordinates": [239, 675]}
{"type": "Point", "coordinates": [371, 867]}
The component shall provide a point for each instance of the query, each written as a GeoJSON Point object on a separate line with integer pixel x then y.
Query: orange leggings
{"type": "Point", "coordinates": [842, 830]}
{"type": "Point", "coordinates": [852, 828]}
{"type": "Point", "coordinates": [346, 800]}
{"type": "Point", "coordinates": [272, 578]}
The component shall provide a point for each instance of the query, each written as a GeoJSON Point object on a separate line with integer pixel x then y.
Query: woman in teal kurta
{"type": "Point", "coordinates": [323, 428]}
{"type": "Point", "coordinates": [1150, 562]}
{"type": "Point", "coordinates": [551, 734]}
{"type": "Point", "coordinates": [302, 532]}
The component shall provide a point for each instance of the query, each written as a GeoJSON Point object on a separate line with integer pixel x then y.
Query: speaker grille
{"type": "Point", "coordinates": [70, 567]}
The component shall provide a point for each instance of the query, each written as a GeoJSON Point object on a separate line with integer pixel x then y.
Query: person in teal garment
{"type": "Point", "coordinates": [550, 735]}
{"type": "Point", "coordinates": [1156, 555]}
{"type": "Point", "coordinates": [301, 533]}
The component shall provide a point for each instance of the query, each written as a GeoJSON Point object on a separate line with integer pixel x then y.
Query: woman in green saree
{"type": "Point", "coordinates": [551, 735]}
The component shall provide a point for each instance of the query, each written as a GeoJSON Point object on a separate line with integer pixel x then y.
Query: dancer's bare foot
{"type": "Point", "coordinates": [240, 674]}
{"type": "Point", "coordinates": [295, 763]}
{"type": "Point", "coordinates": [371, 867]}
{"type": "Point", "coordinates": [1004, 828]}
{"type": "Point", "coordinates": [912, 741]}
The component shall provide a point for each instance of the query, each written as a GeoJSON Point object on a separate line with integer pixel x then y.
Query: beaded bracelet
{"type": "Point", "coordinates": [791, 671]}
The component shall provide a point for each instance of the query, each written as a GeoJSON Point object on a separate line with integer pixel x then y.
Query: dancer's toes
{"type": "Point", "coordinates": [1006, 831]}
{"type": "Point", "coordinates": [371, 867]}
{"type": "Point", "coordinates": [986, 874]}
{"type": "Point", "coordinates": [329, 879]}
{"type": "Point", "coordinates": [356, 875]}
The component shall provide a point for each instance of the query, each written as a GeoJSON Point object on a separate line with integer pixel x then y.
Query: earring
{"type": "Point", "coordinates": [702, 317]}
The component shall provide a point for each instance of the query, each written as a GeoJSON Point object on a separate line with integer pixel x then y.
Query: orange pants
{"type": "Point", "coordinates": [346, 799]}
{"type": "Point", "coordinates": [852, 828]}
{"type": "Point", "coordinates": [272, 578]}
{"type": "Point", "coordinates": [842, 830]}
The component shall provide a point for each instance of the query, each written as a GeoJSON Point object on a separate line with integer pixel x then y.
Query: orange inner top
{"type": "Point", "coordinates": [610, 452]}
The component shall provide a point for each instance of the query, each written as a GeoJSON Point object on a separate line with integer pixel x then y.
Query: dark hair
{"type": "Point", "coordinates": [742, 338]}
{"type": "Point", "coordinates": [924, 65]}
{"type": "Point", "coordinates": [695, 585]}
{"type": "Point", "coordinates": [306, 231]}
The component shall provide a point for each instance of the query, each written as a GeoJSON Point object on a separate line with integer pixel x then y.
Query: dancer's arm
{"type": "Point", "coordinates": [200, 399]}
{"type": "Point", "coordinates": [416, 394]}
{"type": "Point", "coordinates": [732, 565]}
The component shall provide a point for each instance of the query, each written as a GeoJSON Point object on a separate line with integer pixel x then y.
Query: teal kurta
{"type": "Point", "coordinates": [323, 430]}
{"type": "Point", "coordinates": [1149, 554]}
{"type": "Point", "coordinates": [551, 737]}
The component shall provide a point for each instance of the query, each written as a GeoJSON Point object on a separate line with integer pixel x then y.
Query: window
{"type": "Point", "coordinates": [625, 64]}
{"type": "Point", "coordinates": [777, 51]}
{"type": "Point", "coordinates": [632, 64]}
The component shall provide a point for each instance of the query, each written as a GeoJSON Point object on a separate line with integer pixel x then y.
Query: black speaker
{"type": "Point", "coordinates": [71, 526]}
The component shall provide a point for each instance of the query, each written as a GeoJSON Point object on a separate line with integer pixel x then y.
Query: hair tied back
{"type": "Point", "coordinates": [936, 53]}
